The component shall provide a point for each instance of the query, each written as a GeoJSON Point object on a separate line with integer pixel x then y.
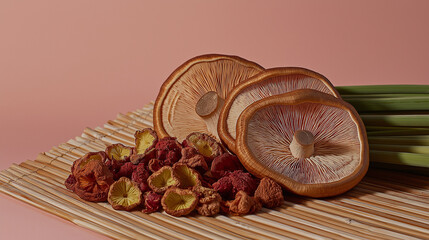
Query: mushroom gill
{"type": "Point", "coordinates": [336, 142]}
{"type": "Point", "coordinates": [191, 98]}
{"type": "Point", "coordinates": [311, 143]}
{"type": "Point", "coordinates": [268, 83]}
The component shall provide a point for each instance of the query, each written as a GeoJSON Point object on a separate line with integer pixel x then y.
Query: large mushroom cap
{"type": "Point", "coordinates": [191, 98]}
{"type": "Point", "coordinates": [311, 143]}
{"type": "Point", "coordinates": [268, 83]}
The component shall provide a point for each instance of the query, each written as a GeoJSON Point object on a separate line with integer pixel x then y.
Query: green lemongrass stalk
{"type": "Point", "coordinates": [384, 128]}
{"type": "Point", "coordinates": [400, 158]}
{"type": "Point", "coordinates": [383, 89]}
{"type": "Point", "coordinates": [383, 95]}
{"type": "Point", "coordinates": [400, 148]}
{"type": "Point", "coordinates": [414, 103]}
{"type": "Point", "coordinates": [421, 140]}
{"type": "Point", "coordinates": [400, 120]}
{"type": "Point", "coordinates": [400, 132]}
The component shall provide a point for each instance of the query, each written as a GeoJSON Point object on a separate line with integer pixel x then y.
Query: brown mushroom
{"type": "Point", "coordinates": [311, 143]}
{"type": "Point", "coordinates": [268, 83]}
{"type": "Point", "coordinates": [191, 98]}
{"type": "Point", "coordinates": [124, 194]}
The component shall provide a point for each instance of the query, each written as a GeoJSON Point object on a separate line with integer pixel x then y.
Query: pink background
{"type": "Point", "coordinates": [67, 65]}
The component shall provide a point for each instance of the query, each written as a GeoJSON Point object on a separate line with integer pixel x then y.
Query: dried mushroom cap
{"type": "Point", "coordinates": [242, 204]}
{"type": "Point", "coordinates": [271, 82]}
{"type": "Point", "coordinates": [311, 143]}
{"type": "Point", "coordinates": [190, 99]}
{"type": "Point", "coordinates": [187, 176]}
{"type": "Point", "coordinates": [206, 145]}
{"type": "Point", "coordinates": [80, 164]}
{"type": "Point", "coordinates": [179, 202]}
{"type": "Point", "coordinates": [209, 201]}
{"type": "Point", "coordinates": [124, 194]}
{"type": "Point", "coordinates": [92, 180]}
{"type": "Point", "coordinates": [269, 193]}
{"type": "Point", "coordinates": [145, 140]}
{"type": "Point", "coordinates": [119, 152]}
{"type": "Point", "coordinates": [162, 179]}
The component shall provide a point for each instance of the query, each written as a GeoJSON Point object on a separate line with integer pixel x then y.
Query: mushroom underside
{"type": "Point", "coordinates": [125, 194]}
{"type": "Point", "coordinates": [270, 87]}
{"type": "Point", "coordinates": [179, 117]}
{"type": "Point", "coordinates": [336, 142]}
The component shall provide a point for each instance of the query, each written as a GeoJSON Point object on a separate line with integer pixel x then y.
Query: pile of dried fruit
{"type": "Point", "coordinates": [164, 174]}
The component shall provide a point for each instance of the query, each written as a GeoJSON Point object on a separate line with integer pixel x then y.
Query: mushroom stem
{"type": "Point", "coordinates": [302, 145]}
{"type": "Point", "coordinates": [208, 104]}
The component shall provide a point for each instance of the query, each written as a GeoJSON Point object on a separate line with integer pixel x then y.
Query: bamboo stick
{"type": "Point", "coordinates": [83, 222]}
{"type": "Point", "coordinates": [337, 215]}
{"type": "Point", "coordinates": [305, 225]}
{"type": "Point", "coordinates": [99, 209]}
{"type": "Point", "coordinates": [331, 222]}
{"type": "Point", "coordinates": [373, 218]}
{"type": "Point", "coordinates": [84, 212]}
{"type": "Point", "coordinates": [406, 211]}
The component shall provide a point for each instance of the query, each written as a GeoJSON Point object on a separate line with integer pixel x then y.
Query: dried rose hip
{"type": "Point", "coordinates": [206, 145]}
{"type": "Point", "coordinates": [80, 164]}
{"type": "Point", "coordinates": [168, 150]}
{"type": "Point", "coordinates": [179, 202]}
{"type": "Point", "coordinates": [209, 201]}
{"type": "Point", "coordinates": [124, 194]}
{"type": "Point", "coordinates": [236, 181]}
{"type": "Point", "coordinates": [145, 141]}
{"type": "Point", "coordinates": [70, 182]}
{"type": "Point", "coordinates": [93, 180]}
{"type": "Point", "coordinates": [187, 176]}
{"type": "Point", "coordinates": [152, 202]}
{"type": "Point", "coordinates": [162, 179]}
{"type": "Point", "coordinates": [124, 171]}
{"type": "Point", "coordinates": [225, 163]}
{"type": "Point", "coordinates": [242, 204]}
{"type": "Point", "coordinates": [140, 176]}
{"type": "Point", "coordinates": [192, 158]}
{"type": "Point", "coordinates": [270, 193]}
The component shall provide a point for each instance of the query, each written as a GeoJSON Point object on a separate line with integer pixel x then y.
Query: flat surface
{"type": "Point", "coordinates": [68, 65]}
{"type": "Point", "coordinates": [385, 205]}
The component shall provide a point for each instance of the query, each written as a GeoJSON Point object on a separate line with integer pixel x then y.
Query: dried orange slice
{"type": "Point", "coordinates": [191, 98]}
{"type": "Point", "coordinates": [268, 83]}
{"type": "Point", "coordinates": [311, 143]}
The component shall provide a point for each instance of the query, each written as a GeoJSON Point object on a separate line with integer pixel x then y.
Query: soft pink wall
{"type": "Point", "coordinates": [66, 65]}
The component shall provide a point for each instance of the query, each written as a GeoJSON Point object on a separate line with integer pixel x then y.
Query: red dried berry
{"type": "Point", "coordinates": [225, 163]}
{"type": "Point", "coordinates": [140, 175]}
{"type": "Point", "coordinates": [168, 150]}
{"type": "Point", "coordinates": [152, 202]}
{"type": "Point", "coordinates": [233, 182]}
{"type": "Point", "coordinates": [125, 170]}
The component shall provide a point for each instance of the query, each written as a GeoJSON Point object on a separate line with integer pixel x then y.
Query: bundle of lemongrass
{"type": "Point", "coordinates": [396, 118]}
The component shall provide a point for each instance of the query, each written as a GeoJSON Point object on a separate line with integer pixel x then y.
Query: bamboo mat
{"type": "Point", "coordinates": [385, 205]}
